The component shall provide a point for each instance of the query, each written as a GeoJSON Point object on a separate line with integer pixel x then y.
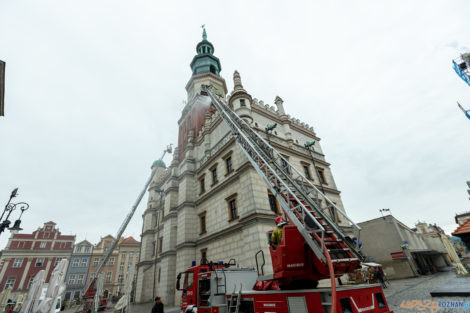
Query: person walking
{"type": "Point", "coordinates": [158, 306]}
{"type": "Point", "coordinates": [380, 277]}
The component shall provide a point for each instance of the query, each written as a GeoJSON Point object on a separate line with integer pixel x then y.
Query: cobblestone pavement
{"type": "Point", "coordinates": [409, 289]}
{"type": "Point", "coordinates": [419, 288]}
{"type": "Point", "coordinates": [147, 308]}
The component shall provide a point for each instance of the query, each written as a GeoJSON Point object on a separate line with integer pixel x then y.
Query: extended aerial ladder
{"type": "Point", "coordinates": [299, 198]}
{"type": "Point", "coordinates": [90, 289]}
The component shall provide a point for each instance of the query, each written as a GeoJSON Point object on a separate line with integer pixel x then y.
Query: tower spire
{"type": "Point", "coordinates": [204, 34]}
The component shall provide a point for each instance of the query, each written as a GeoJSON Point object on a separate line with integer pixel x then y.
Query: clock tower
{"type": "Point", "coordinates": [206, 70]}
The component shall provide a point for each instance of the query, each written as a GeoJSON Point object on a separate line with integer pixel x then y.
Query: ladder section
{"type": "Point", "coordinates": [298, 197]}
{"type": "Point", "coordinates": [235, 300]}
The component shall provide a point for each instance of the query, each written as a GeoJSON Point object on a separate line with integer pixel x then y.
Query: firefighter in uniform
{"type": "Point", "coordinates": [276, 236]}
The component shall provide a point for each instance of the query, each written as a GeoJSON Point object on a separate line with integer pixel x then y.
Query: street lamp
{"type": "Point", "coordinates": [10, 207]}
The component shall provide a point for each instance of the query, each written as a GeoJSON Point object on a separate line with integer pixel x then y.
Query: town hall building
{"type": "Point", "coordinates": [210, 203]}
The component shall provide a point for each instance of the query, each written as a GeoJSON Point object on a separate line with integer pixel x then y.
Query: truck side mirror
{"type": "Point", "coordinates": [178, 281]}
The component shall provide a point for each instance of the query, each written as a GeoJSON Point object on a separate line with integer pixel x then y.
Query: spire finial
{"type": "Point", "coordinates": [204, 34]}
{"type": "Point", "coordinates": [237, 81]}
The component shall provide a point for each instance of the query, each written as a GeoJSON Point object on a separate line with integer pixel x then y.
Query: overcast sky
{"type": "Point", "coordinates": [94, 90]}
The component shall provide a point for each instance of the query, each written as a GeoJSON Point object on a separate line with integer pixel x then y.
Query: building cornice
{"type": "Point", "coordinates": [172, 214]}
{"type": "Point", "coordinates": [186, 204]}
{"type": "Point", "coordinates": [186, 244]}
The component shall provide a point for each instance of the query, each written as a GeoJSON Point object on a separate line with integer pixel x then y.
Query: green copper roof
{"type": "Point", "coordinates": [205, 61]}
{"type": "Point", "coordinates": [158, 163]}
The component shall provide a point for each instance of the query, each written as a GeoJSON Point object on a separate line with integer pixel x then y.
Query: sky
{"type": "Point", "coordinates": [94, 90]}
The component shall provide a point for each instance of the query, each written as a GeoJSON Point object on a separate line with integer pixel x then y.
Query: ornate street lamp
{"type": "Point", "coordinates": [10, 207]}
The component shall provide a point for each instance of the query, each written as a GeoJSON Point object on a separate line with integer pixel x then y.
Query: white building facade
{"type": "Point", "coordinates": [210, 203]}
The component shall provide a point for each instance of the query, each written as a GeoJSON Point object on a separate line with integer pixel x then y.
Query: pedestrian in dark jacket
{"type": "Point", "coordinates": [158, 306]}
{"type": "Point", "coordinates": [379, 276]}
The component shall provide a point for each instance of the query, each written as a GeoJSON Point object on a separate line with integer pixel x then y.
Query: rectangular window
{"type": "Point", "coordinates": [120, 278]}
{"type": "Point", "coordinates": [121, 266]}
{"type": "Point", "coordinates": [203, 256]}
{"type": "Point", "coordinates": [242, 102]}
{"type": "Point", "coordinates": [111, 261]}
{"type": "Point", "coordinates": [321, 175]}
{"type": "Point", "coordinates": [84, 262]}
{"type": "Point", "coordinates": [154, 248]}
{"type": "Point", "coordinates": [232, 207]}
{"type": "Point", "coordinates": [202, 223]}
{"type": "Point", "coordinates": [108, 277]}
{"type": "Point", "coordinates": [42, 245]}
{"type": "Point", "coordinates": [72, 279]}
{"type": "Point", "coordinates": [214, 175]}
{"type": "Point", "coordinates": [160, 244]}
{"type": "Point", "coordinates": [88, 249]}
{"type": "Point", "coordinates": [202, 185]}
{"type": "Point", "coordinates": [228, 164]}
{"type": "Point", "coordinates": [96, 261]}
{"type": "Point", "coordinates": [80, 279]}
{"type": "Point", "coordinates": [39, 262]}
{"type": "Point", "coordinates": [129, 265]}
{"type": "Point", "coordinates": [137, 254]}
{"type": "Point", "coordinates": [307, 171]}
{"type": "Point", "coordinates": [273, 203]}
{"type": "Point", "coordinates": [76, 263]}
{"type": "Point", "coordinates": [131, 255]}
{"type": "Point", "coordinates": [10, 282]}
{"type": "Point", "coordinates": [285, 166]}
{"type": "Point", "coordinates": [17, 263]}
{"type": "Point", "coordinates": [159, 273]}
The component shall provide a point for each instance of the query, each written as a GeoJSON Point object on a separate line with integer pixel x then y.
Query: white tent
{"type": "Point", "coordinates": [55, 289]}
{"type": "Point", "coordinates": [34, 293]}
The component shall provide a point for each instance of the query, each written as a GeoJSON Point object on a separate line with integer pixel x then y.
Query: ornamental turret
{"type": "Point", "coordinates": [240, 100]}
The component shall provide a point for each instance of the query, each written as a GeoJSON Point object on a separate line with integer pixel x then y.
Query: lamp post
{"type": "Point", "coordinates": [10, 207]}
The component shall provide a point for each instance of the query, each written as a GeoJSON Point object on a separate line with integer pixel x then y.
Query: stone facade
{"type": "Point", "coordinates": [210, 203]}
{"type": "Point", "coordinates": [77, 271]}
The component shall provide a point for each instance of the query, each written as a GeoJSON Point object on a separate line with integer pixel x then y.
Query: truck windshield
{"type": "Point", "coordinates": [188, 280]}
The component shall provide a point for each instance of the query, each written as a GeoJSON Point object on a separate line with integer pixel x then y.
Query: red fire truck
{"type": "Point", "coordinates": [316, 244]}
